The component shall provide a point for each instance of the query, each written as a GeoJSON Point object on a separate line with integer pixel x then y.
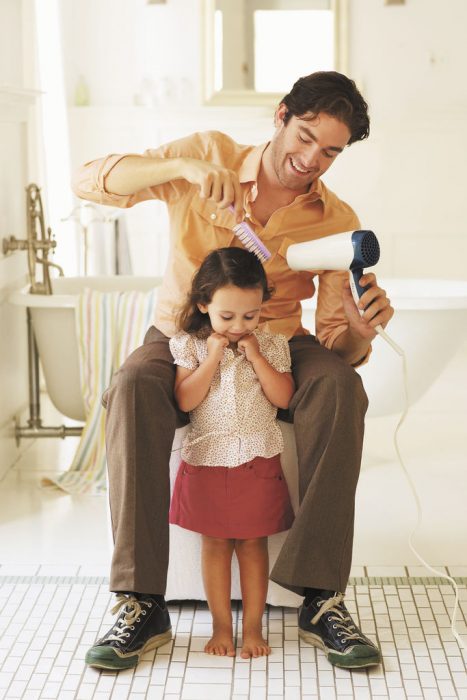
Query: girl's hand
{"type": "Point", "coordinates": [379, 311]}
{"type": "Point", "coordinates": [216, 344]}
{"type": "Point", "coordinates": [249, 345]}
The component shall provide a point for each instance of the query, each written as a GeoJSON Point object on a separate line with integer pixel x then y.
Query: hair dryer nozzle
{"type": "Point", "coordinates": [366, 249]}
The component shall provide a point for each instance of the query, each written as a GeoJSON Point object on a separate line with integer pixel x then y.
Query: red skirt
{"type": "Point", "coordinates": [243, 502]}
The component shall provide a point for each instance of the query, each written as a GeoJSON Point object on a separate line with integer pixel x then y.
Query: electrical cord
{"type": "Point", "coordinates": [441, 574]}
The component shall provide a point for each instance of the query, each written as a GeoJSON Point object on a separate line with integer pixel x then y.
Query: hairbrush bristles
{"type": "Point", "coordinates": [250, 240]}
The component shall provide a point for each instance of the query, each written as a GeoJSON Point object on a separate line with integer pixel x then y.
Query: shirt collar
{"type": "Point", "coordinates": [316, 191]}
{"type": "Point", "coordinates": [249, 170]}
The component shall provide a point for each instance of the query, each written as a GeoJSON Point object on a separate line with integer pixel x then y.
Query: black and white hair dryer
{"type": "Point", "coordinates": [351, 250]}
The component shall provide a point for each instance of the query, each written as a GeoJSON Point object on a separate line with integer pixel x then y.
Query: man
{"type": "Point", "coordinates": [277, 188]}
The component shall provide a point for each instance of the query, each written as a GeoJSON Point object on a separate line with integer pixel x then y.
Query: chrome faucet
{"type": "Point", "coordinates": [38, 243]}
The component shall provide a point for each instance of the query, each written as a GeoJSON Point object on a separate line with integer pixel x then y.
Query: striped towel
{"type": "Point", "coordinates": [109, 326]}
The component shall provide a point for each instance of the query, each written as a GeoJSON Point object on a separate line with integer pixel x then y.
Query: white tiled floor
{"type": "Point", "coordinates": [51, 621]}
{"type": "Point", "coordinates": [54, 556]}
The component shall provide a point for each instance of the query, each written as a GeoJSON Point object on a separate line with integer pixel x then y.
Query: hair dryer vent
{"type": "Point", "coordinates": [366, 249]}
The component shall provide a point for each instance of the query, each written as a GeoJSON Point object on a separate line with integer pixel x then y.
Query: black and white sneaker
{"type": "Point", "coordinates": [143, 624]}
{"type": "Point", "coordinates": [326, 623]}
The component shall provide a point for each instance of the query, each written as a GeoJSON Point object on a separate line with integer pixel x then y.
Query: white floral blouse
{"type": "Point", "coordinates": [235, 422]}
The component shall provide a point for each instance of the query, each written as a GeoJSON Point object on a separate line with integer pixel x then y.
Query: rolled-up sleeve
{"type": "Point", "coordinates": [89, 181]}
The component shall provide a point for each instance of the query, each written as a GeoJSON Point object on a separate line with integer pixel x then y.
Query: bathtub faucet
{"type": "Point", "coordinates": [38, 243]}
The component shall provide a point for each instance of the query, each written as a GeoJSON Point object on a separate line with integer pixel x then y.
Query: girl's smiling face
{"type": "Point", "coordinates": [233, 311]}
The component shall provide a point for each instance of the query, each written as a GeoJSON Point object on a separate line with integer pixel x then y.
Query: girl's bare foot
{"type": "Point", "coordinates": [254, 645]}
{"type": "Point", "coordinates": [221, 643]}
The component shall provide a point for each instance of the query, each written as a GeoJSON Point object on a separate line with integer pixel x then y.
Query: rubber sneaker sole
{"type": "Point", "coordinates": [111, 659]}
{"type": "Point", "coordinates": [359, 656]}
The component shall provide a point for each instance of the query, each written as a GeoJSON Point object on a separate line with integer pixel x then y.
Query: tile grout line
{"type": "Point", "coordinates": [435, 620]}
{"type": "Point", "coordinates": [78, 640]}
{"type": "Point", "coordinates": [420, 625]}
{"type": "Point", "coordinates": [375, 633]}
{"type": "Point", "coordinates": [359, 624]}
{"type": "Point", "coordinates": [190, 637]}
{"type": "Point", "coordinates": [16, 637]}
{"type": "Point", "coordinates": [448, 614]}
{"type": "Point", "coordinates": [48, 637]}
{"type": "Point", "coordinates": [235, 637]}
{"type": "Point", "coordinates": [84, 669]}
{"type": "Point", "coordinates": [403, 679]}
{"type": "Point", "coordinates": [353, 581]}
{"type": "Point", "coordinates": [441, 640]}
{"type": "Point", "coordinates": [52, 629]}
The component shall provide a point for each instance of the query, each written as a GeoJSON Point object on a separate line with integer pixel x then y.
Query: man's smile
{"type": "Point", "coordinates": [299, 168]}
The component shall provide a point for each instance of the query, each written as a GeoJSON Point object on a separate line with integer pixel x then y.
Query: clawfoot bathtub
{"type": "Point", "coordinates": [430, 323]}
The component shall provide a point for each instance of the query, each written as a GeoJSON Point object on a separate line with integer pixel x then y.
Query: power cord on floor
{"type": "Point", "coordinates": [441, 574]}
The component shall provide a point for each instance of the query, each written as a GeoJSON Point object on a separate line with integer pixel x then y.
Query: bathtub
{"type": "Point", "coordinates": [430, 323]}
{"type": "Point", "coordinates": [53, 318]}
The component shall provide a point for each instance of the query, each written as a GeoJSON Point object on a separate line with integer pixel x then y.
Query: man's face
{"type": "Point", "coordinates": [304, 149]}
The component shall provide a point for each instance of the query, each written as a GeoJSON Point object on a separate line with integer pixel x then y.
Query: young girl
{"type": "Point", "coordinates": [231, 377]}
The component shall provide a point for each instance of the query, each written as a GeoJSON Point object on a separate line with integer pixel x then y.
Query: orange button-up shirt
{"type": "Point", "coordinates": [198, 226]}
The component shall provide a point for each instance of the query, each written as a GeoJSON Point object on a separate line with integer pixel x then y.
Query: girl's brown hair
{"type": "Point", "coordinates": [221, 268]}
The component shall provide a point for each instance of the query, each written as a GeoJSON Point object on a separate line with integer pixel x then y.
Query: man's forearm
{"type": "Point", "coordinates": [351, 347]}
{"type": "Point", "coordinates": [135, 173]}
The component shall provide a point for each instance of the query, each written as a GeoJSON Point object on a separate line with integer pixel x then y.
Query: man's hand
{"type": "Point", "coordinates": [216, 344]}
{"type": "Point", "coordinates": [249, 345]}
{"type": "Point", "coordinates": [216, 183]}
{"type": "Point", "coordinates": [378, 309]}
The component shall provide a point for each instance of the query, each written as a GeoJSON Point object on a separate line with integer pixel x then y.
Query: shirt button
{"type": "Point", "coordinates": [213, 216]}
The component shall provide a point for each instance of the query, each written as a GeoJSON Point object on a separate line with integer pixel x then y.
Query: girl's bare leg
{"type": "Point", "coordinates": [253, 560]}
{"type": "Point", "coordinates": [216, 561]}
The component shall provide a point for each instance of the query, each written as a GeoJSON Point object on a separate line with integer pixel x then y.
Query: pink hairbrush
{"type": "Point", "coordinates": [250, 240]}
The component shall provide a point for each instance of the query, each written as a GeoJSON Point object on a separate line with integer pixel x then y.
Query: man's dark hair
{"type": "Point", "coordinates": [334, 94]}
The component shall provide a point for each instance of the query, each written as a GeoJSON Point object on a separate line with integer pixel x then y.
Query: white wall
{"type": "Point", "coordinates": [406, 182]}
{"type": "Point", "coordinates": [411, 62]}
{"type": "Point", "coordinates": [17, 167]}
{"type": "Point", "coordinates": [118, 44]}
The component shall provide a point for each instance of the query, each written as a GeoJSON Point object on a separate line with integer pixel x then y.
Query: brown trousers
{"type": "Point", "coordinates": [327, 411]}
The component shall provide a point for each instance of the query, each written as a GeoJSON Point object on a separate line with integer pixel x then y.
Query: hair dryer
{"type": "Point", "coordinates": [351, 250]}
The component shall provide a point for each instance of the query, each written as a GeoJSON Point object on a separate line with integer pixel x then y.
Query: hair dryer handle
{"type": "Point", "coordinates": [355, 286]}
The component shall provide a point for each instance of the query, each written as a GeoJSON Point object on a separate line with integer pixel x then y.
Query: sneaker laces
{"type": "Point", "coordinates": [341, 616]}
{"type": "Point", "coordinates": [132, 611]}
